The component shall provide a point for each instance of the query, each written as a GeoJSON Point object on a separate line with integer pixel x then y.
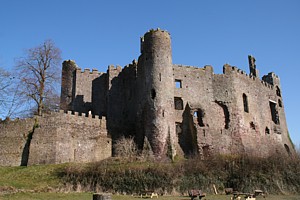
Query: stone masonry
{"type": "Point", "coordinates": [180, 110]}
{"type": "Point", "coordinates": [54, 138]}
{"type": "Point", "coordinates": [183, 109]}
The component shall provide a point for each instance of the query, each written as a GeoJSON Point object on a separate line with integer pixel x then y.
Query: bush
{"type": "Point", "coordinates": [125, 147]}
{"type": "Point", "coordinates": [276, 174]}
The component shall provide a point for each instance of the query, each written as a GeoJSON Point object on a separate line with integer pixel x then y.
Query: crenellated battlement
{"type": "Point", "coordinates": [153, 89]}
{"type": "Point", "coordinates": [157, 30]}
{"type": "Point", "coordinates": [228, 70]}
{"type": "Point", "coordinates": [88, 71]}
{"type": "Point", "coordinates": [117, 68]}
{"type": "Point", "coordinates": [206, 68]}
{"type": "Point", "coordinates": [84, 115]}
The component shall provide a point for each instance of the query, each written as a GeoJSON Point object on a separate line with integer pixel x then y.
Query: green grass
{"type": "Point", "coordinates": [89, 196]}
{"type": "Point", "coordinates": [30, 178]}
{"type": "Point", "coordinates": [43, 182]}
{"type": "Point", "coordinates": [47, 196]}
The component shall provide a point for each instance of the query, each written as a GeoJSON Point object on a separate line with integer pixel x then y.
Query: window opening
{"type": "Point", "coordinates": [274, 113]}
{"type": "Point", "coordinates": [279, 103]}
{"type": "Point", "coordinates": [178, 103]}
{"type": "Point", "coordinates": [206, 151]}
{"type": "Point", "coordinates": [278, 93]}
{"type": "Point", "coordinates": [267, 130]}
{"type": "Point", "coordinates": [178, 83]}
{"type": "Point", "coordinates": [178, 128]}
{"type": "Point", "coordinates": [200, 115]}
{"type": "Point", "coordinates": [252, 125]}
{"type": "Point", "coordinates": [226, 113]}
{"type": "Point", "coordinates": [153, 94]}
{"type": "Point", "coordinates": [196, 114]}
{"type": "Point", "coordinates": [245, 101]}
{"type": "Point", "coordinates": [287, 148]}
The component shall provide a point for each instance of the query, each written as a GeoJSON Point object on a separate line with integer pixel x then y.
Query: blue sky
{"type": "Point", "coordinates": [98, 33]}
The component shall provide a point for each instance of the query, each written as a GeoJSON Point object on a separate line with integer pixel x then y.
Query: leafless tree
{"type": "Point", "coordinates": [125, 147]}
{"type": "Point", "coordinates": [6, 83]}
{"type": "Point", "coordinates": [39, 74]}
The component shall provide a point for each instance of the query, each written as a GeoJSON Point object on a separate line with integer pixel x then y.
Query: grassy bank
{"type": "Point", "coordinates": [274, 175]}
{"type": "Point", "coordinates": [88, 196]}
{"type": "Point", "coordinates": [33, 178]}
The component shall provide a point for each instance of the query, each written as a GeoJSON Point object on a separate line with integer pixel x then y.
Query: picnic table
{"type": "Point", "coordinates": [148, 193]}
{"type": "Point", "coordinates": [196, 193]}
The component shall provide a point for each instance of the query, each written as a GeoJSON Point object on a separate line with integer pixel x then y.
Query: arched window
{"type": "Point", "coordinates": [245, 101]}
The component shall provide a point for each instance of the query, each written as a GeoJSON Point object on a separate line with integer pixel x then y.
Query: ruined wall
{"type": "Point", "coordinates": [99, 95]}
{"type": "Point", "coordinates": [228, 113]}
{"type": "Point", "coordinates": [82, 102]}
{"type": "Point", "coordinates": [261, 135]}
{"type": "Point", "coordinates": [54, 138]}
{"type": "Point", "coordinates": [191, 108]}
{"type": "Point", "coordinates": [13, 140]}
{"type": "Point", "coordinates": [83, 91]}
{"type": "Point", "coordinates": [121, 98]}
{"type": "Point", "coordinates": [193, 89]}
{"type": "Point", "coordinates": [63, 137]}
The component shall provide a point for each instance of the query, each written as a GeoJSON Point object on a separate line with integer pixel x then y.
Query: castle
{"type": "Point", "coordinates": [191, 108]}
{"type": "Point", "coordinates": [180, 110]}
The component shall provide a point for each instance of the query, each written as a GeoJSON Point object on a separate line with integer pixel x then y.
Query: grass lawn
{"type": "Point", "coordinates": [30, 178]}
{"type": "Point", "coordinates": [35, 182]}
{"type": "Point", "coordinates": [89, 196]}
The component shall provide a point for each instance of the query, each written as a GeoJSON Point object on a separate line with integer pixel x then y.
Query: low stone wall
{"type": "Point", "coordinates": [13, 138]}
{"type": "Point", "coordinates": [55, 138]}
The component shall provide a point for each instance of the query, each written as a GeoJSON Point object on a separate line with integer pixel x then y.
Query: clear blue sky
{"type": "Point", "coordinates": [97, 33]}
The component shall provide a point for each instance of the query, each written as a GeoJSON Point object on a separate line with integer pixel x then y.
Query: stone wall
{"type": "Point", "coordinates": [192, 108]}
{"type": "Point", "coordinates": [63, 137]}
{"type": "Point", "coordinates": [55, 138]}
{"type": "Point", "coordinates": [85, 83]}
{"type": "Point", "coordinates": [13, 139]}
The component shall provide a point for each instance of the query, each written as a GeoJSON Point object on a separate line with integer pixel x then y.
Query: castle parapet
{"type": "Point", "coordinates": [271, 78]}
{"type": "Point", "coordinates": [79, 114]}
{"type": "Point", "coordinates": [88, 71]}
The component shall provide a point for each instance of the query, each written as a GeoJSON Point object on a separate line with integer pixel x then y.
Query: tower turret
{"type": "Point", "coordinates": [67, 84]}
{"type": "Point", "coordinates": [155, 75]}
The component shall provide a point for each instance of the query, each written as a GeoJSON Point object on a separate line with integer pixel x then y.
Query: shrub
{"type": "Point", "coordinates": [276, 174]}
{"type": "Point", "coordinates": [125, 147]}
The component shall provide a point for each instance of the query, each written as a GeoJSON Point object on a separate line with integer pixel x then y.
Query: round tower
{"type": "Point", "coordinates": [67, 83]}
{"type": "Point", "coordinates": [157, 83]}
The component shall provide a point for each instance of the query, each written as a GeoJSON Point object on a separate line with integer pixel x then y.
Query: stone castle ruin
{"type": "Point", "coordinates": [192, 108]}
{"type": "Point", "coordinates": [180, 110]}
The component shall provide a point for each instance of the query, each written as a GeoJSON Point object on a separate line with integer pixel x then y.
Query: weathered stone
{"type": "Point", "coordinates": [177, 109]}
{"type": "Point", "coordinates": [55, 138]}
{"type": "Point", "coordinates": [216, 113]}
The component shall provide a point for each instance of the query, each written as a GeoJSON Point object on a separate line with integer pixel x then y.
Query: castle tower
{"type": "Point", "coordinates": [67, 84]}
{"type": "Point", "coordinates": [155, 77]}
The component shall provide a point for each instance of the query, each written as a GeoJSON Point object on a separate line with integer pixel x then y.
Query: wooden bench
{"type": "Point", "coordinates": [248, 196]}
{"type": "Point", "coordinates": [196, 193]}
{"type": "Point", "coordinates": [148, 193]}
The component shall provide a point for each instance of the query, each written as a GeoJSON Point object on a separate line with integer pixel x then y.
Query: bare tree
{"type": "Point", "coordinates": [125, 147]}
{"type": "Point", "coordinates": [6, 83]}
{"type": "Point", "coordinates": [39, 73]}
